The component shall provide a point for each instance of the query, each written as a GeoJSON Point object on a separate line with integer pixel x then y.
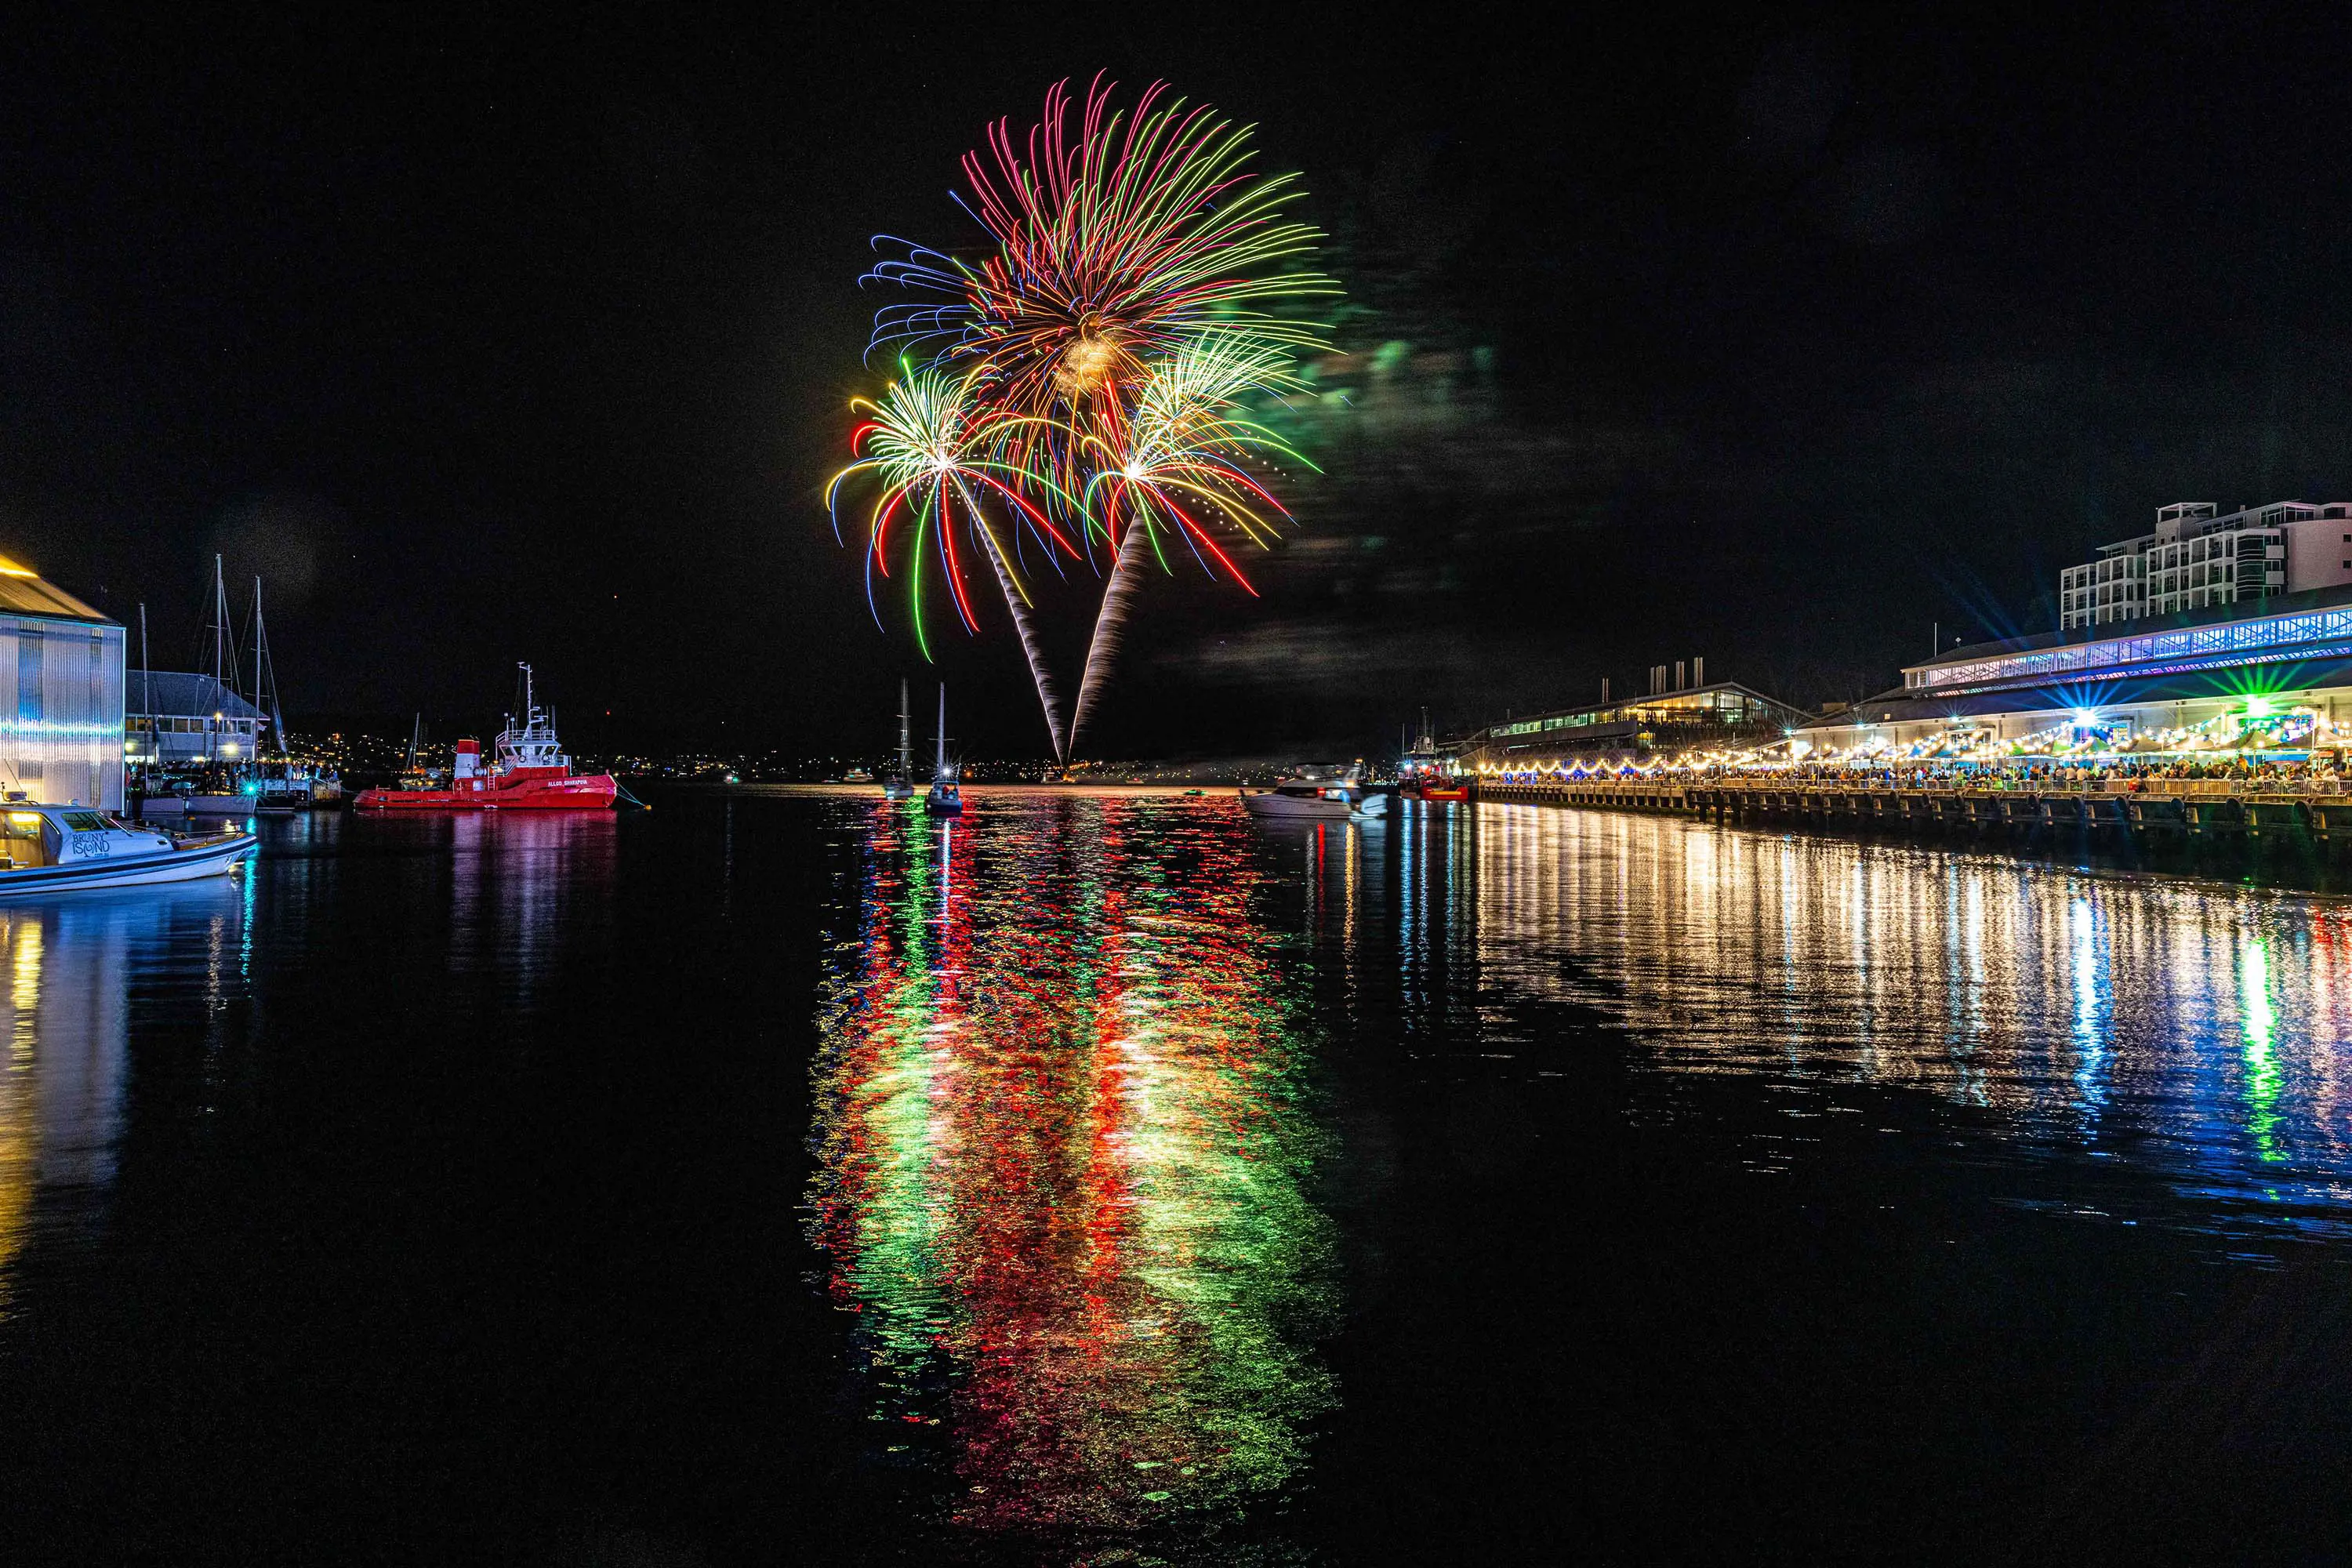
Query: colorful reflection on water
{"type": "Point", "coordinates": [1064, 1145]}
{"type": "Point", "coordinates": [2198, 1029]}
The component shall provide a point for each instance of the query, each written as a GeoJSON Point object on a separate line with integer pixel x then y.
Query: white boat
{"type": "Point", "coordinates": [945, 797]}
{"type": "Point", "coordinates": [63, 849]}
{"type": "Point", "coordinates": [1321, 800]}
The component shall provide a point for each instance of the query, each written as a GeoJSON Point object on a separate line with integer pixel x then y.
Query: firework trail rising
{"type": "Point", "coordinates": [1111, 623]}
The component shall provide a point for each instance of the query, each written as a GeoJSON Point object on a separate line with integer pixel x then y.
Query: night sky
{"type": "Point", "coordinates": [1774, 341]}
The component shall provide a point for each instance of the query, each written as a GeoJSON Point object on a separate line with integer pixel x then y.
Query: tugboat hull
{"type": "Point", "coordinates": [587, 792]}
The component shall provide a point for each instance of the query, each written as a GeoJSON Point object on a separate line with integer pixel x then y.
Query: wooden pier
{"type": "Point", "coordinates": [2159, 808]}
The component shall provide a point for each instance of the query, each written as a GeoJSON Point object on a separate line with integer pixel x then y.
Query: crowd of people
{"type": "Point", "coordinates": [2318, 773]}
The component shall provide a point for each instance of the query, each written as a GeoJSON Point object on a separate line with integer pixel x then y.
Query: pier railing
{"type": "Point", "coordinates": [2319, 808]}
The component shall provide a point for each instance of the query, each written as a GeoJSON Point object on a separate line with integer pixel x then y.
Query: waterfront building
{"type": "Point", "coordinates": [2271, 676]}
{"type": "Point", "coordinates": [176, 719]}
{"type": "Point", "coordinates": [1722, 716]}
{"type": "Point", "coordinates": [61, 665]}
{"type": "Point", "coordinates": [2198, 558]}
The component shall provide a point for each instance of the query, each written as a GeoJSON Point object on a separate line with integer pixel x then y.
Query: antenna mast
{"type": "Point", "coordinates": [147, 690]}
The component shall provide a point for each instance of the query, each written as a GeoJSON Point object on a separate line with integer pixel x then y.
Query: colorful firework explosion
{"type": "Point", "coordinates": [1090, 376]}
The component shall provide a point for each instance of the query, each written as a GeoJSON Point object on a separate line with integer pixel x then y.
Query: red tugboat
{"type": "Point", "coordinates": [1422, 775]}
{"type": "Point", "coordinates": [530, 774]}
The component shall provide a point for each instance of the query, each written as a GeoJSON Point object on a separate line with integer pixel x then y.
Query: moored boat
{"type": "Point", "coordinates": [1421, 772]}
{"type": "Point", "coordinates": [66, 848]}
{"type": "Point", "coordinates": [1325, 800]}
{"type": "Point", "coordinates": [530, 773]}
{"type": "Point", "coordinates": [899, 782]}
{"type": "Point", "coordinates": [945, 797]}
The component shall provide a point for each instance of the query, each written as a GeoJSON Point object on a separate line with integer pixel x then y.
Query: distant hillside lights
{"type": "Point", "coordinates": [2197, 559]}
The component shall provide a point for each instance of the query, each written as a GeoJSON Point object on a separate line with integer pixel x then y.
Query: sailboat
{"type": "Point", "coordinates": [899, 782]}
{"type": "Point", "coordinates": [945, 798]}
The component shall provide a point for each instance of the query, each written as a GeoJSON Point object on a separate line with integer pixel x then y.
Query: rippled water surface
{"type": "Point", "coordinates": [1112, 1179]}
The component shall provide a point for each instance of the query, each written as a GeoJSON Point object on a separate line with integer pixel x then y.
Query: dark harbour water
{"type": "Point", "coordinates": [784, 1178]}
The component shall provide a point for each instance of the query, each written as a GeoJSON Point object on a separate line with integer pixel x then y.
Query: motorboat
{"type": "Point", "coordinates": [899, 782]}
{"type": "Point", "coordinates": [64, 848]}
{"type": "Point", "coordinates": [1320, 800]}
{"type": "Point", "coordinates": [945, 797]}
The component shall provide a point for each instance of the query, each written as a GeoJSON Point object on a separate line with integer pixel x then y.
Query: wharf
{"type": "Point", "coordinates": [2188, 808]}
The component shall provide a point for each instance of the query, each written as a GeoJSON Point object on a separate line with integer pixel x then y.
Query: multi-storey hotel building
{"type": "Point", "coordinates": [2199, 558]}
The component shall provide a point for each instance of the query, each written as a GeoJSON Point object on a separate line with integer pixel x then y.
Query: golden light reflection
{"type": "Point", "coordinates": [20, 1120]}
{"type": "Point", "coordinates": [68, 1028]}
{"type": "Point", "coordinates": [2046, 994]}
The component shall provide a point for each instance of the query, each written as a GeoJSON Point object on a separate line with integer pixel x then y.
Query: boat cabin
{"type": "Point", "coordinates": [34, 836]}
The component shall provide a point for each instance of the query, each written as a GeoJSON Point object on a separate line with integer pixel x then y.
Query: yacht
{"type": "Point", "coordinates": [1322, 800]}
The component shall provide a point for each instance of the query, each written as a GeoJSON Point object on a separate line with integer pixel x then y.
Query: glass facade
{"type": "Point", "coordinates": [1711, 705]}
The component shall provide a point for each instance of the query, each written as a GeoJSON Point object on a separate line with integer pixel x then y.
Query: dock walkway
{"type": "Point", "coordinates": [2190, 808]}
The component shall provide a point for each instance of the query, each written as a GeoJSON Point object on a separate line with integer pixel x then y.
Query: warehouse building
{"type": "Point", "coordinates": [1723, 715]}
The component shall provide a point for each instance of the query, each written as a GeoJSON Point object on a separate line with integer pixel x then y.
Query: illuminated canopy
{"type": "Point", "coordinates": [2309, 634]}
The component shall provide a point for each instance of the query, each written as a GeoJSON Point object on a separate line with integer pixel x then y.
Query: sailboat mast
{"type": "Point", "coordinates": [939, 769]}
{"type": "Point", "coordinates": [257, 644]}
{"type": "Point", "coordinates": [265, 678]}
{"type": "Point", "coordinates": [223, 662]}
{"type": "Point", "coordinates": [906, 739]}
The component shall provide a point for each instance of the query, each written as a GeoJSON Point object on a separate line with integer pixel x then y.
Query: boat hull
{"type": "Point", "coordinates": [1313, 808]}
{"type": "Point", "coordinates": [587, 792]}
{"type": "Point", "coordinates": [213, 858]}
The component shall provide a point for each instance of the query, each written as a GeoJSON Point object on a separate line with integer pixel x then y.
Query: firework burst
{"type": "Point", "coordinates": [1091, 373]}
{"type": "Point", "coordinates": [931, 446]}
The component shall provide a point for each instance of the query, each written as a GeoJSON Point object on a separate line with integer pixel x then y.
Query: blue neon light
{"type": "Point", "coordinates": [2329, 633]}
